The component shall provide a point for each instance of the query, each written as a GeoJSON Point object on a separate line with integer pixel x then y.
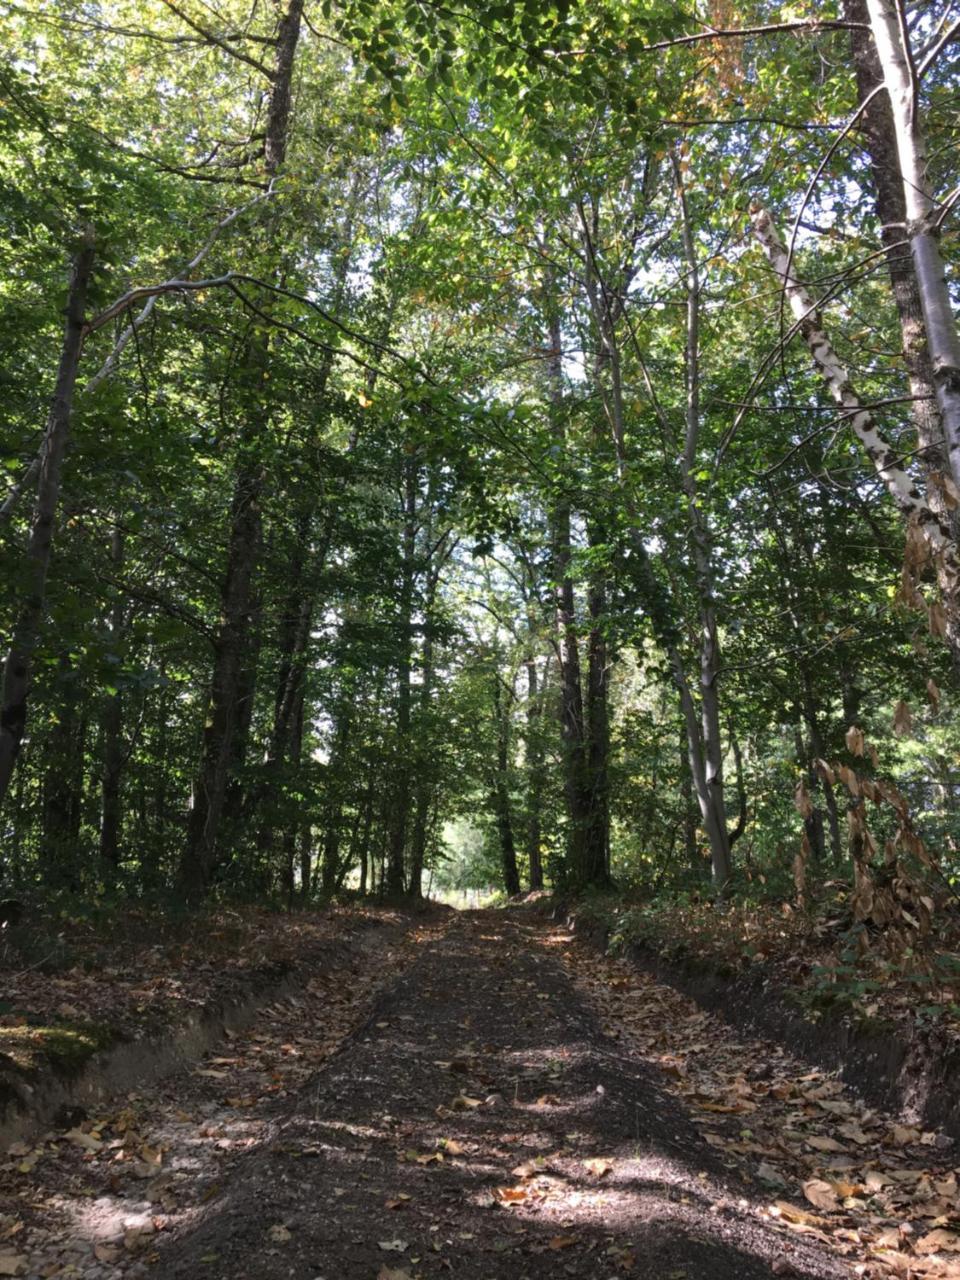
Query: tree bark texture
{"type": "Point", "coordinates": [17, 668]}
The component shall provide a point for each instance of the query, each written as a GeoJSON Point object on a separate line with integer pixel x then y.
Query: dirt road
{"type": "Point", "coordinates": [480, 1125]}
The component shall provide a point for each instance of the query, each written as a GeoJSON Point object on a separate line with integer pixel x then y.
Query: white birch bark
{"type": "Point", "coordinates": [900, 485]}
{"type": "Point", "coordinates": [943, 340]}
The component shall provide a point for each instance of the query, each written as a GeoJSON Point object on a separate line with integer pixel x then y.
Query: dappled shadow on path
{"type": "Point", "coordinates": [480, 1126]}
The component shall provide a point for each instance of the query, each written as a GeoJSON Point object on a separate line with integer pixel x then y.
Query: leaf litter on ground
{"type": "Point", "coordinates": [882, 1193]}
{"type": "Point", "coordinates": [100, 1191]}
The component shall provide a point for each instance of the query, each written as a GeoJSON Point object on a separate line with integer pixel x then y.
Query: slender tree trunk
{"type": "Point", "coordinates": [223, 715]}
{"type": "Point", "coordinates": [423, 789]}
{"type": "Point", "coordinates": [879, 135]}
{"type": "Point", "coordinates": [113, 755]}
{"type": "Point", "coordinates": [888, 23]}
{"type": "Point", "coordinates": [690, 811]}
{"type": "Point", "coordinates": [535, 770]}
{"type": "Point", "coordinates": [708, 742]}
{"type": "Point", "coordinates": [63, 785]}
{"type": "Point", "coordinates": [818, 752]}
{"type": "Point", "coordinates": [26, 632]}
{"type": "Point", "coordinates": [333, 812]}
{"type": "Point", "coordinates": [897, 481]}
{"type": "Point", "coordinates": [500, 793]}
{"type": "Point", "coordinates": [364, 842]}
{"type": "Point", "coordinates": [572, 728]}
{"type": "Point", "coordinates": [400, 817]}
{"type": "Point", "coordinates": [596, 849]}
{"type": "Point", "coordinates": [231, 689]}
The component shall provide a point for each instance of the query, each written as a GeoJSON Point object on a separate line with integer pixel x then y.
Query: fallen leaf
{"type": "Point", "coordinates": [394, 1246]}
{"type": "Point", "coordinates": [279, 1234]}
{"type": "Point", "coordinates": [511, 1195]}
{"type": "Point", "coordinates": [821, 1194]}
{"type": "Point", "coordinates": [562, 1242]}
{"type": "Point", "coordinates": [598, 1166]}
{"type": "Point", "coordinates": [825, 1144]}
{"type": "Point", "coordinates": [85, 1140]}
{"type": "Point", "coordinates": [12, 1264]}
{"type": "Point", "coordinates": [939, 1241]}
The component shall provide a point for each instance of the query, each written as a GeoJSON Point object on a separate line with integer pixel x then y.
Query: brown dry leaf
{"type": "Point", "coordinates": [939, 1241]}
{"type": "Point", "coordinates": [802, 801]}
{"type": "Point", "coordinates": [397, 1203]}
{"type": "Point", "coordinates": [547, 1100]}
{"type": "Point", "coordinates": [107, 1252]}
{"type": "Point", "coordinates": [392, 1273]}
{"type": "Point", "coordinates": [854, 740]}
{"type": "Point", "coordinates": [562, 1242]}
{"type": "Point", "coordinates": [849, 780]}
{"type": "Point", "coordinates": [937, 619]}
{"type": "Point", "coordinates": [821, 1195]}
{"type": "Point", "coordinates": [902, 719]}
{"type": "Point", "coordinates": [13, 1264]}
{"type": "Point", "coordinates": [462, 1103]}
{"type": "Point", "coordinates": [212, 1075]}
{"type": "Point", "coordinates": [598, 1166]}
{"type": "Point", "coordinates": [511, 1195]}
{"type": "Point", "coordinates": [855, 1134]}
{"type": "Point", "coordinates": [791, 1213]}
{"type": "Point", "coordinates": [902, 1135]}
{"type": "Point", "coordinates": [825, 1144]}
{"type": "Point", "coordinates": [88, 1141]}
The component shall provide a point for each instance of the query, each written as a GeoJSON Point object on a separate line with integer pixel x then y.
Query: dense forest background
{"type": "Point", "coordinates": [513, 443]}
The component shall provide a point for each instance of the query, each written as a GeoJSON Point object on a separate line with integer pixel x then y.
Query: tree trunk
{"type": "Point", "coordinates": [596, 846]}
{"type": "Point", "coordinates": [223, 714]}
{"type": "Point", "coordinates": [500, 793]}
{"type": "Point", "coordinates": [707, 744]}
{"type": "Point", "coordinates": [572, 729]}
{"type": "Point", "coordinates": [898, 482]}
{"type": "Point", "coordinates": [112, 752]}
{"type": "Point", "coordinates": [536, 777]}
{"type": "Point", "coordinates": [880, 136]}
{"type": "Point", "coordinates": [400, 816]}
{"type": "Point", "coordinates": [888, 24]}
{"type": "Point", "coordinates": [26, 632]}
{"type": "Point", "coordinates": [418, 842]}
{"type": "Point", "coordinates": [63, 786]}
{"type": "Point", "coordinates": [231, 688]}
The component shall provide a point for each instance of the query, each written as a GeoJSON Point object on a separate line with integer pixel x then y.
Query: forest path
{"type": "Point", "coordinates": [480, 1125]}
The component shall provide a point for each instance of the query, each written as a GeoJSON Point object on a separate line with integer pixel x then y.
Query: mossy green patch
{"type": "Point", "coordinates": [66, 1047]}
